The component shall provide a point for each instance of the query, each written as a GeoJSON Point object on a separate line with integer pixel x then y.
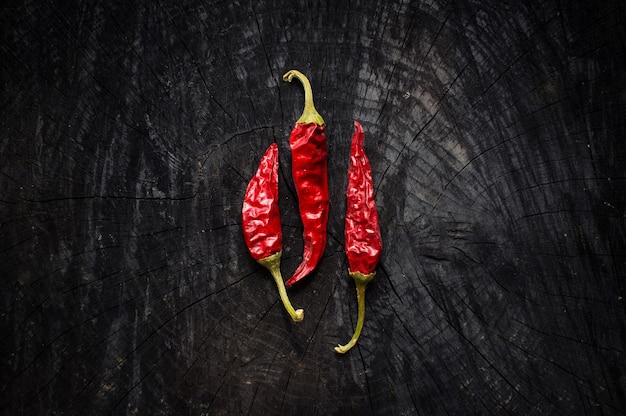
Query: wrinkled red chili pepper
{"type": "Point", "coordinates": [261, 223]}
{"type": "Point", "coordinates": [363, 243]}
{"type": "Point", "coordinates": [310, 175]}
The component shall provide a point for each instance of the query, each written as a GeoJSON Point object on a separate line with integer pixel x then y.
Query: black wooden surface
{"type": "Point", "coordinates": [496, 133]}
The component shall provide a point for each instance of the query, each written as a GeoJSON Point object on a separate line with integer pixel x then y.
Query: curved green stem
{"type": "Point", "coordinates": [272, 263]}
{"type": "Point", "coordinates": [309, 114]}
{"type": "Point", "coordinates": [361, 280]}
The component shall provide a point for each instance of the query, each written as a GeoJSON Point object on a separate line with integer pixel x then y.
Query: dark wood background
{"type": "Point", "coordinates": [496, 132]}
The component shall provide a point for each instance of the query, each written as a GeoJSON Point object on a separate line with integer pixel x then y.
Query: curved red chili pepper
{"type": "Point", "coordinates": [261, 223]}
{"type": "Point", "coordinates": [310, 176]}
{"type": "Point", "coordinates": [363, 243]}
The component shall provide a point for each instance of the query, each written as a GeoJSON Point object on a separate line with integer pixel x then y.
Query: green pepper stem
{"type": "Point", "coordinates": [272, 263]}
{"type": "Point", "coordinates": [361, 280]}
{"type": "Point", "coordinates": [309, 114]}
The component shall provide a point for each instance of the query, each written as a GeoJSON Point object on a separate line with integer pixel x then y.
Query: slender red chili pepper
{"type": "Point", "coordinates": [261, 223]}
{"type": "Point", "coordinates": [363, 243]}
{"type": "Point", "coordinates": [310, 175]}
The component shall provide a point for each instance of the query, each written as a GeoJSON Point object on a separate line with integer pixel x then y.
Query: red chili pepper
{"type": "Point", "coordinates": [310, 176]}
{"type": "Point", "coordinates": [261, 223]}
{"type": "Point", "coordinates": [363, 243]}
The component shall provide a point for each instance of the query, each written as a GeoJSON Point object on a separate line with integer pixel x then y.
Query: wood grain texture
{"type": "Point", "coordinates": [496, 135]}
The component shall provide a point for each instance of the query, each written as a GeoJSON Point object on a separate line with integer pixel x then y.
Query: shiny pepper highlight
{"type": "Point", "coordinates": [261, 223]}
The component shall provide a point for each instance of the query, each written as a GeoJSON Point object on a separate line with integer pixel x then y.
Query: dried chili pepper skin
{"type": "Point", "coordinates": [260, 213]}
{"type": "Point", "coordinates": [363, 243]}
{"type": "Point", "coordinates": [310, 175]}
{"type": "Point", "coordinates": [261, 223]}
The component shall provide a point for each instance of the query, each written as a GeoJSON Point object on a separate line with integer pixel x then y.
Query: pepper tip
{"type": "Point", "coordinates": [342, 349]}
{"type": "Point", "coordinates": [298, 316]}
{"type": "Point", "coordinates": [288, 76]}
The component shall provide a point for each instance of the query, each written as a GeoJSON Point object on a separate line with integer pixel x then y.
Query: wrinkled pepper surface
{"type": "Point", "coordinates": [261, 223]}
{"type": "Point", "coordinates": [310, 175]}
{"type": "Point", "coordinates": [363, 242]}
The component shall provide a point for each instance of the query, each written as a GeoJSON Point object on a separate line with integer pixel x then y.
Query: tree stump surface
{"type": "Point", "coordinates": [496, 136]}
